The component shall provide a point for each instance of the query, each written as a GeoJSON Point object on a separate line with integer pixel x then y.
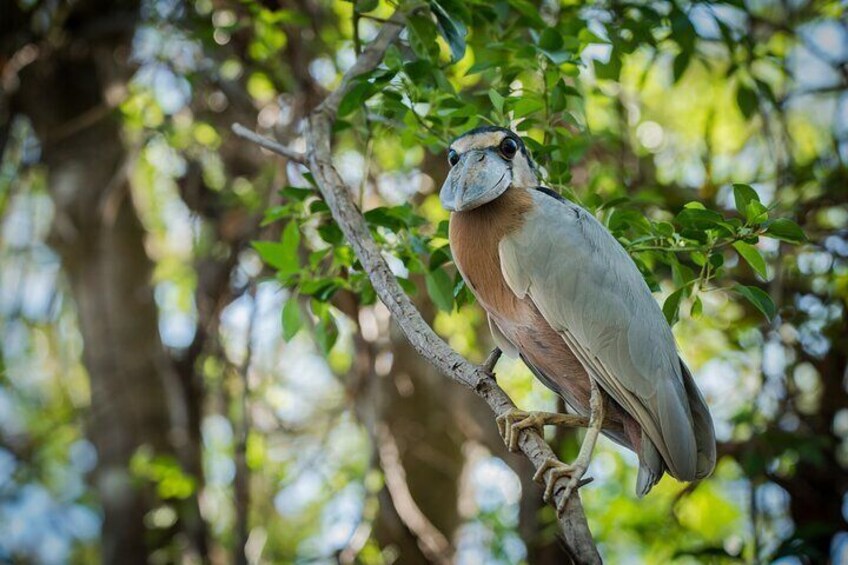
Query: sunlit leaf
{"type": "Point", "coordinates": [526, 106]}
{"type": "Point", "coordinates": [292, 321]}
{"type": "Point", "coordinates": [748, 204]}
{"type": "Point", "coordinates": [282, 256]}
{"type": "Point", "coordinates": [451, 28]}
{"type": "Point", "coordinates": [697, 308]}
{"type": "Point", "coordinates": [742, 195]}
{"type": "Point", "coordinates": [440, 289]}
{"type": "Point", "coordinates": [755, 212]}
{"type": "Point", "coordinates": [752, 256]}
{"type": "Point", "coordinates": [497, 100]}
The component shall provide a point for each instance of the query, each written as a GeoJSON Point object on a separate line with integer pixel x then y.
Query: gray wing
{"type": "Point", "coordinates": [590, 291]}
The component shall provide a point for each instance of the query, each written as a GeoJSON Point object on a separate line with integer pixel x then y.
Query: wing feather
{"type": "Point", "coordinates": [503, 343]}
{"type": "Point", "coordinates": [590, 291]}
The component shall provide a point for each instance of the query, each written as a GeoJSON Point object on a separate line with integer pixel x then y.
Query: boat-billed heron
{"type": "Point", "coordinates": [564, 295]}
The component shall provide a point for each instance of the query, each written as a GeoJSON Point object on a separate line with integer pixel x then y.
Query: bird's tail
{"type": "Point", "coordinates": [703, 425]}
{"type": "Point", "coordinates": [651, 467]}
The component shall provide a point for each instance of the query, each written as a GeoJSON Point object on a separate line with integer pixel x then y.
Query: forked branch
{"type": "Point", "coordinates": [337, 195]}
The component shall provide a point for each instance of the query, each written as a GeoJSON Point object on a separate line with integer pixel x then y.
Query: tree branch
{"type": "Point", "coordinates": [337, 195]}
{"type": "Point", "coordinates": [269, 144]}
{"type": "Point", "coordinates": [434, 545]}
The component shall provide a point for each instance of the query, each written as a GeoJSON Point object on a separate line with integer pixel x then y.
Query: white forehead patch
{"type": "Point", "coordinates": [478, 141]}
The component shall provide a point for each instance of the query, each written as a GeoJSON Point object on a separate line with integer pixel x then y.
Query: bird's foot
{"type": "Point", "coordinates": [513, 422]}
{"type": "Point", "coordinates": [557, 470]}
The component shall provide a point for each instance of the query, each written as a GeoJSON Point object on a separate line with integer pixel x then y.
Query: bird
{"type": "Point", "coordinates": [561, 293]}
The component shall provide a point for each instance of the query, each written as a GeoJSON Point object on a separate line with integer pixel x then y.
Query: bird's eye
{"type": "Point", "coordinates": [509, 147]}
{"type": "Point", "coordinates": [453, 157]}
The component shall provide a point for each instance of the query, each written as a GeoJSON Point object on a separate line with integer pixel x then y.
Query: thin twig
{"type": "Point", "coordinates": [269, 144]}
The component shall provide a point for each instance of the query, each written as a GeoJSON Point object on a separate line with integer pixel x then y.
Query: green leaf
{"type": "Point", "coordinates": [363, 6]}
{"type": "Point", "coordinates": [439, 257]}
{"type": "Point", "coordinates": [742, 194]}
{"type": "Point", "coordinates": [272, 254]}
{"type": "Point", "coordinates": [746, 99]}
{"type": "Point", "coordinates": [550, 39]}
{"type": "Point", "coordinates": [609, 70]}
{"type": "Point", "coordinates": [282, 256]}
{"type": "Point", "coordinates": [752, 256]}
{"type": "Point", "coordinates": [716, 259]}
{"type": "Point", "coordinates": [756, 213]}
{"type": "Point", "coordinates": [440, 289]}
{"type": "Point", "coordinates": [529, 11]}
{"type": "Point", "coordinates": [394, 217]}
{"type": "Point", "coordinates": [697, 308]}
{"type": "Point", "coordinates": [354, 99]}
{"type": "Point", "coordinates": [681, 63]}
{"type": "Point", "coordinates": [497, 100]}
{"type": "Point", "coordinates": [671, 306]}
{"type": "Point", "coordinates": [681, 274]}
{"type": "Point", "coordinates": [331, 233]}
{"type": "Point", "coordinates": [452, 29]}
{"type": "Point", "coordinates": [461, 293]}
{"type": "Point", "coordinates": [276, 213]}
{"type": "Point", "coordinates": [292, 321]}
{"type": "Point", "coordinates": [682, 30]}
{"type": "Point", "coordinates": [422, 37]}
{"type": "Point", "coordinates": [786, 230]}
{"type": "Point", "coordinates": [408, 286]}
{"type": "Point", "coordinates": [297, 193]}
{"type": "Point", "coordinates": [759, 298]}
{"type": "Point", "coordinates": [320, 289]}
{"type": "Point", "coordinates": [552, 45]}
{"type": "Point", "coordinates": [326, 333]}
{"type": "Point", "coordinates": [526, 106]}
{"type": "Point", "coordinates": [701, 219]}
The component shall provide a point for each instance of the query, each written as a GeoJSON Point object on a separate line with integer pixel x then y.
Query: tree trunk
{"type": "Point", "coordinates": [100, 242]}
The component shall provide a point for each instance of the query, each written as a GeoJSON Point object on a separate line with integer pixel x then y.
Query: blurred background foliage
{"type": "Point", "coordinates": [193, 364]}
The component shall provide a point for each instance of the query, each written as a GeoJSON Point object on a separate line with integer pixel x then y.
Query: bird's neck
{"type": "Point", "coordinates": [499, 217]}
{"type": "Point", "coordinates": [474, 239]}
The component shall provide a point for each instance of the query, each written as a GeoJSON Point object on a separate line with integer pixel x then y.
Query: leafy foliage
{"type": "Point", "coordinates": [698, 132]}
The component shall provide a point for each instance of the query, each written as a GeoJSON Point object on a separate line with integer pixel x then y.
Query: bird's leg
{"type": "Point", "coordinates": [574, 471]}
{"type": "Point", "coordinates": [488, 365]}
{"type": "Point", "coordinates": [513, 422]}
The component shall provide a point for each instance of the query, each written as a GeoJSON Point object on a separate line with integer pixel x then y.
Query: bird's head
{"type": "Point", "coordinates": [485, 162]}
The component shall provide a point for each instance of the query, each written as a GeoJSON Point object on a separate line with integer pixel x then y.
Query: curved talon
{"type": "Point", "coordinates": [559, 470]}
{"type": "Point", "coordinates": [511, 424]}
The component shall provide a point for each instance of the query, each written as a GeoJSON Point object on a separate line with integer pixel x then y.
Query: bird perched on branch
{"type": "Point", "coordinates": [564, 295]}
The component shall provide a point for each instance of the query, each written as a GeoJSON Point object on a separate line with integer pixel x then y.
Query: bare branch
{"type": "Point", "coordinates": [269, 144]}
{"type": "Point", "coordinates": [434, 545]}
{"type": "Point", "coordinates": [338, 197]}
